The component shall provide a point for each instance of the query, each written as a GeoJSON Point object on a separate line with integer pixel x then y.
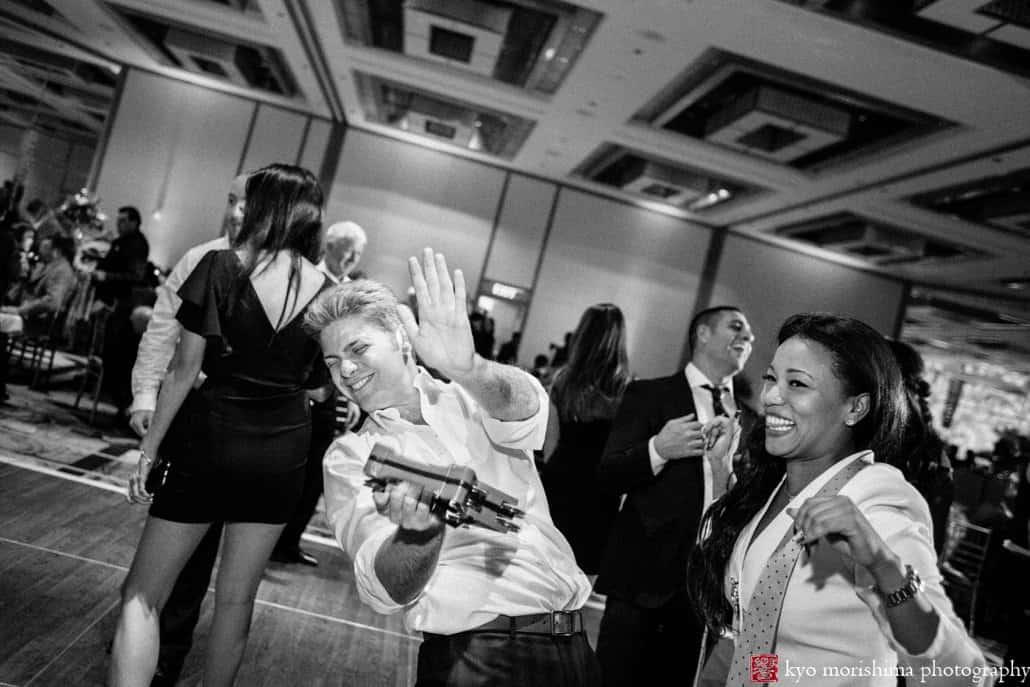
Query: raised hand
{"type": "Point", "coordinates": [442, 337]}
{"type": "Point", "coordinates": [721, 435]}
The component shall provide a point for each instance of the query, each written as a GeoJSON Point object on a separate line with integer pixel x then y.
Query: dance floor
{"type": "Point", "coordinates": [67, 536]}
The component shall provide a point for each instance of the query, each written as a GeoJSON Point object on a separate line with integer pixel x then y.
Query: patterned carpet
{"type": "Point", "coordinates": [43, 430]}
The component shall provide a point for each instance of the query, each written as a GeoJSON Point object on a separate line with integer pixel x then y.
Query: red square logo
{"type": "Point", "coordinates": [765, 668]}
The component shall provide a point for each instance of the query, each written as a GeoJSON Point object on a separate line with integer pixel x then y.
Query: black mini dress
{"type": "Point", "coordinates": [238, 445]}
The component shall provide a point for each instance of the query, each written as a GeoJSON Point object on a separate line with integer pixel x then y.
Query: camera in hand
{"type": "Point", "coordinates": [459, 497]}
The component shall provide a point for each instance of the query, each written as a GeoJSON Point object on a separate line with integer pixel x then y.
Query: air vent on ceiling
{"type": "Point", "coordinates": [778, 125]}
{"type": "Point", "coordinates": [1002, 201]}
{"type": "Point", "coordinates": [435, 116]}
{"type": "Point", "coordinates": [682, 186]}
{"type": "Point", "coordinates": [1007, 21]}
{"type": "Point", "coordinates": [442, 120]}
{"type": "Point", "coordinates": [456, 32]}
{"type": "Point", "coordinates": [875, 242]}
{"type": "Point", "coordinates": [663, 182]}
{"type": "Point", "coordinates": [206, 55]}
{"type": "Point", "coordinates": [763, 110]}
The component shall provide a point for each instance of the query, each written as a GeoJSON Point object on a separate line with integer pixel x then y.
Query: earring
{"type": "Point", "coordinates": [849, 423]}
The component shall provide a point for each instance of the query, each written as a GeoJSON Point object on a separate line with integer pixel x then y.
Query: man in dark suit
{"type": "Point", "coordinates": [655, 456]}
{"type": "Point", "coordinates": [123, 269]}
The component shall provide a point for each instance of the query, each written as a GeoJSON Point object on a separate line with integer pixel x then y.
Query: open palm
{"type": "Point", "coordinates": [442, 336]}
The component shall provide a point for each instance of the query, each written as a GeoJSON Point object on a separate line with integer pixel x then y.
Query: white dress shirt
{"type": "Point", "coordinates": [705, 411]}
{"type": "Point", "coordinates": [480, 573]}
{"type": "Point", "coordinates": [833, 620]}
{"type": "Point", "coordinates": [157, 346]}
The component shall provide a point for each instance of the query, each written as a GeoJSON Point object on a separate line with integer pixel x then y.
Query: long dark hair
{"type": "Point", "coordinates": [920, 441]}
{"type": "Point", "coordinates": [283, 213]}
{"type": "Point", "coordinates": [863, 362]}
{"type": "Point", "coordinates": [920, 455]}
{"type": "Point", "coordinates": [590, 384]}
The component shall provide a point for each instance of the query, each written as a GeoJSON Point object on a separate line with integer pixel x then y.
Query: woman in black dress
{"type": "Point", "coordinates": [238, 452]}
{"type": "Point", "coordinates": [585, 394]}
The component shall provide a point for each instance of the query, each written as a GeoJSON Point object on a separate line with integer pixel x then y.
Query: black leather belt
{"type": "Point", "coordinates": [557, 623]}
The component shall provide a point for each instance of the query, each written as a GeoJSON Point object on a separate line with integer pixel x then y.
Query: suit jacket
{"type": "Point", "coordinates": [646, 556]}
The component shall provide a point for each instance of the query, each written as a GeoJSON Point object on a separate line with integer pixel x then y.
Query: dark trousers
{"type": "Point", "coordinates": [119, 355]}
{"type": "Point", "coordinates": [182, 610]}
{"type": "Point", "coordinates": [642, 646]}
{"type": "Point", "coordinates": [322, 433]}
{"type": "Point", "coordinates": [501, 659]}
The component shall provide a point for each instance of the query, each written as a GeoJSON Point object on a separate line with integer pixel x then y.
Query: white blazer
{"type": "Point", "coordinates": [834, 630]}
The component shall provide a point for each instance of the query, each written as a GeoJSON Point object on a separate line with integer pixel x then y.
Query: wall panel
{"type": "Point", "coordinates": [277, 137]}
{"type": "Point", "coordinates": [520, 231]}
{"type": "Point", "coordinates": [408, 197]}
{"type": "Point", "coordinates": [315, 145]}
{"type": "Point", "coordinates": [173, 151]}
{"type": "Point", "coordinates": [647, 263]}
{"type": "Point", "coordinates": [771, 283]}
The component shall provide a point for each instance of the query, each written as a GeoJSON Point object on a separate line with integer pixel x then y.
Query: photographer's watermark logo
{"type": "Point", "coordinates": [765, 668]}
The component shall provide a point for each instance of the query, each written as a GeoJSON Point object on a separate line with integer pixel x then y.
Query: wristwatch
{"type": "Point", "coordinates": [912, 586]}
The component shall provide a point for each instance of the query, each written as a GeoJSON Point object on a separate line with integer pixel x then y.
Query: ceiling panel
{"type": "Point", "coordinates": [903, 122]}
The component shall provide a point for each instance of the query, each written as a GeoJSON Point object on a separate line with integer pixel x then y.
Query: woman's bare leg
{"type": "Point", "coordinates": [245, 551]}
{"type": "Point", "coordinates": [164, 547]}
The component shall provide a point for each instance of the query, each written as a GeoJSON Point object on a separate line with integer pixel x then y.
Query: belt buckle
{"type": "Point", "coordinates": [563, 624]}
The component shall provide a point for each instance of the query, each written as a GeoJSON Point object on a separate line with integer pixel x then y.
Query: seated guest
{"type": "Point", "coordinates": [43, 219]}
{"type": "Point", "coordinates": [494, 608]}
{"type": "Point", "coordinates": [48, 288]}
{"type": "Point", "coordinates": [823, 555]}
{"type": "Point", "coordinates": [24, 261]}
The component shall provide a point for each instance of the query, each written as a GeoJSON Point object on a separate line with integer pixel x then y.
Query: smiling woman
{"type": "Point", "coordinates": [468, 589]}
{"type": "Point", "coordinates": [813, 556]}
{"type": "Point", "coordinates": [366, 348]}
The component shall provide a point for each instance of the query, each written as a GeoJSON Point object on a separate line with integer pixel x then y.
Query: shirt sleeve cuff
{"type": "Point", "coordinates": [143, 400]}
{"type": "Point", "coordinates": [657, 462]}
{"type": "Point", "coordinates": [370, 589]}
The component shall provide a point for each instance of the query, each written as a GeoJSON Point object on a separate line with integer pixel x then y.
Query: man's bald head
{"type": "Point", "coordinates": [232, 219]}
{"type": "Point", "coordinates": [344, 244]}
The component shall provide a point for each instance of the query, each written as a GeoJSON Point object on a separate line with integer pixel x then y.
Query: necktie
{"type": "Point", "coordinates": [717, 407]}
{"type": "Point", "coordinates": [760, 622]}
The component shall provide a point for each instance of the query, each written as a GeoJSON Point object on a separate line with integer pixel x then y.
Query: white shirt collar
{"type": "Point", "coordinates": [696, 378]}
{"type": "Point", "coordinates": [428, 393]}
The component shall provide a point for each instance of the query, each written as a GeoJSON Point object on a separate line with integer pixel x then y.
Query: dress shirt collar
{"type": "Point", "coordinates": [428, 390]}
{"type": "Point", "coordinates": [697, 379]}
{"type": "Point", "coordinates": [324, 269]}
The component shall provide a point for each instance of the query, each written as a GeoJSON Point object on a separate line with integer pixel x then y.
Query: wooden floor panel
{"type": "Point", "coordinates": [70, 517]}
{"type": "Point", "coordinates": [47, 601]}
{"type": "Point", "coordinates": [285, 648]}
{"type": "Point", "coordinates": [65, 548]}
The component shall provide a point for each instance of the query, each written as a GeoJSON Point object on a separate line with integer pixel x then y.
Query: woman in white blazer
{"type": "Point", "coordinates": [862, 601]}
